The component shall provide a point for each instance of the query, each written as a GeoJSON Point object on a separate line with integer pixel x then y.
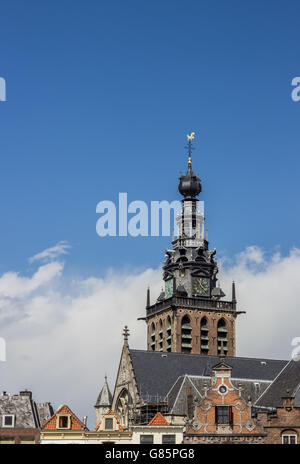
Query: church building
{"type": "Point", "coordinates": [189, 326]}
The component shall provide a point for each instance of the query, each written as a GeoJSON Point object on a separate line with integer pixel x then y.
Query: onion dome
{"type": "Point", "coordinates": [189, 185]}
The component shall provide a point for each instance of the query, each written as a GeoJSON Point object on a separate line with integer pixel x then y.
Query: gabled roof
{"type": "Point", "coordinates": [76, 423]}
{"type": "Point", "coordinates": [109, 413]}
{"type": "Point", "coordinates": [287, 383]}
{"type": "Point", "coordinates": [196, 385]}
{"type": "Point", "coordinates": [158, 420]}
{"type": "Point", "coordinates": [156, 372]}
{"type": "Point", "coordinates": [222, 366]}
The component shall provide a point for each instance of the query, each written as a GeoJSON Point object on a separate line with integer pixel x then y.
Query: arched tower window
{"type": "Point", "coordinates": [169, 334]}
{"type": "Point", "coordinates": [160, 336]}
{"type": "Point", "coordinates": [204, 336]}
{"type": "Point", "coordinates": [186, 335]}
{"type": "Point", "coordinates": [152, 337]}
{"type": "Point", "coordinates": [222, 336]}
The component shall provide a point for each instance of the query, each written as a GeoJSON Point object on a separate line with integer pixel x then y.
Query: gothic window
{"type": "Point", "coordinates": [152, 336]}
{"type": "Point", "coordinates": [160, 336]}
{"type": "Point", "coordinates": [123, 407]}
{"type": "Point", "coordinates": [222, 336]}
{"type": "Point", "coordinates": [186, 335]}
{"type": "Point", "coordinates": [204, 336]}
{"type": "Point", "coordinates": [169, 334]}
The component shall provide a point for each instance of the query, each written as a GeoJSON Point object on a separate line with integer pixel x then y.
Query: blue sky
{"type": "Point", "coordinates": [100, 96]}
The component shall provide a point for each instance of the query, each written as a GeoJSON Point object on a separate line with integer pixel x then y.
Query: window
{"type": "Point", "coordinates": [7, 441]}
{"type": "Point", "coordinates": [289, 439]}
{"type": "Point", "coordinates": [63, 422]}
{"type": "Point", "coordinates": [222, 336]}
{"type": "Point", "coordinates": [152, 337]}
{"type": "Point", "coordinates": [224, 415]}
{"type": "Point", "coordinates": [8, 420]}
{"type": "Point", "coordinates": [146, 439]}
{"type": "Point", "coordinates": [204, 336]}
{"type": "Point", "coordinates": [168, 439]}
{"type": "Point", "coordinates": [109, 424]}
{"type": "Point", "coordinates": [186, 335]}
{"type": "Point", "coordinates": [160, 336]}
{"type": "Point", "coordinates": [169, 334]}
{"type": "Point", "coordinates": [27, 441]}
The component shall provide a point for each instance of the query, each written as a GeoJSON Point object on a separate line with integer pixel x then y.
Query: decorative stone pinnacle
{"type": "Point", "coordinates": [126, 335]}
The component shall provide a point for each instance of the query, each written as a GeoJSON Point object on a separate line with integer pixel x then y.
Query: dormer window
{"type": "Point", "coordinates": [8, 420]}
{"type": "Point", "coordinates": [63, 421]}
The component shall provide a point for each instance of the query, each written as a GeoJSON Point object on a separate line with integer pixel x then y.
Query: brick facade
{"type": "Point", "coordinates": [158, 325]}
{"type": "Point", "coordinates": [282, 421]}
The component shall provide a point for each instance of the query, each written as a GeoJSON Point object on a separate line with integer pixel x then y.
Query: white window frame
{"type": "Point", "coordinates": [289, 435]}
{"type": "Point", "coordinates": [13, 421]}
{"type": "Point", "coordinates": [57, 421]}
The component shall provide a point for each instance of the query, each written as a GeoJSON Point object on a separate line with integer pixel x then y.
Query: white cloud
{"type": "Point", "coordinates": [51, 253]}
{"type": "Point", "coordinates": [62, 336]}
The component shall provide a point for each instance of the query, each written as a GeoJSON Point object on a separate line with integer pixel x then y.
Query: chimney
{"type": "Point", "coordinates": [26, 393]}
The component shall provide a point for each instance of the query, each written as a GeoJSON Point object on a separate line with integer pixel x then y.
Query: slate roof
{"type": "Point", "coordinates": [156, 372]}
{"type": "Point", "coordinates": [105, 396]}
{"type": "Point", "coordinates": [287, 383]}
{"type": "Point", "coordinates": [177, 396]}
{"type": "Point", "coordinates": [27, 413]}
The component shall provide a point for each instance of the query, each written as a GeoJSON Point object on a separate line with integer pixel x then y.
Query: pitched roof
{"type": "Point", "coordinates": [287, 383]}
{"type": "Point", "coordinates": [76, 423]}
{"type": "Point", "coordinates": [105, 396]}
{"type": "Point", "coordinates": [111, 413]}
{"type": "Point", "coordinates": [158, 419]}
{"type": "Point", "coordinates": [156, 372]}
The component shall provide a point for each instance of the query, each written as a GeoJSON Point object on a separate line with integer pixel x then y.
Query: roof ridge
{"type": "Point", "coordinates": [269, 386]}
{"type": "Point", "coordinates": [207, 356]}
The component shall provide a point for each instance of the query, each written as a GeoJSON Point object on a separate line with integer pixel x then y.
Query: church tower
{"type": "Point", "coordinates": [190, 315]}
{"type": "Point", "coordinates": [103, 403]}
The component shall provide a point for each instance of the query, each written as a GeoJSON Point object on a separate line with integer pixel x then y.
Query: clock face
{"type": "Point", "coordinates": [201, 286]}
{"type": "Point", "coordinates": [168, 288]}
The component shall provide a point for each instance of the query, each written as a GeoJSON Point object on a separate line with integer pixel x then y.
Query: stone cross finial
{"type": "Point", "coordinates": [126, 335]}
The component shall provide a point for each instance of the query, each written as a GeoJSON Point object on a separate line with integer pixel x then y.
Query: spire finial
{"type": "Point", "coordinates": [148, 297]}
{"type": "Point", "coordinates": [233, 292]}
{"type": "Point", "coordinates": [190, 147]}
{"type": "Point", "coordinates": [126, 335]}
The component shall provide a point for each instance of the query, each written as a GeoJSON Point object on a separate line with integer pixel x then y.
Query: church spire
{"type": "Point", "coordinates": [189, 185]}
